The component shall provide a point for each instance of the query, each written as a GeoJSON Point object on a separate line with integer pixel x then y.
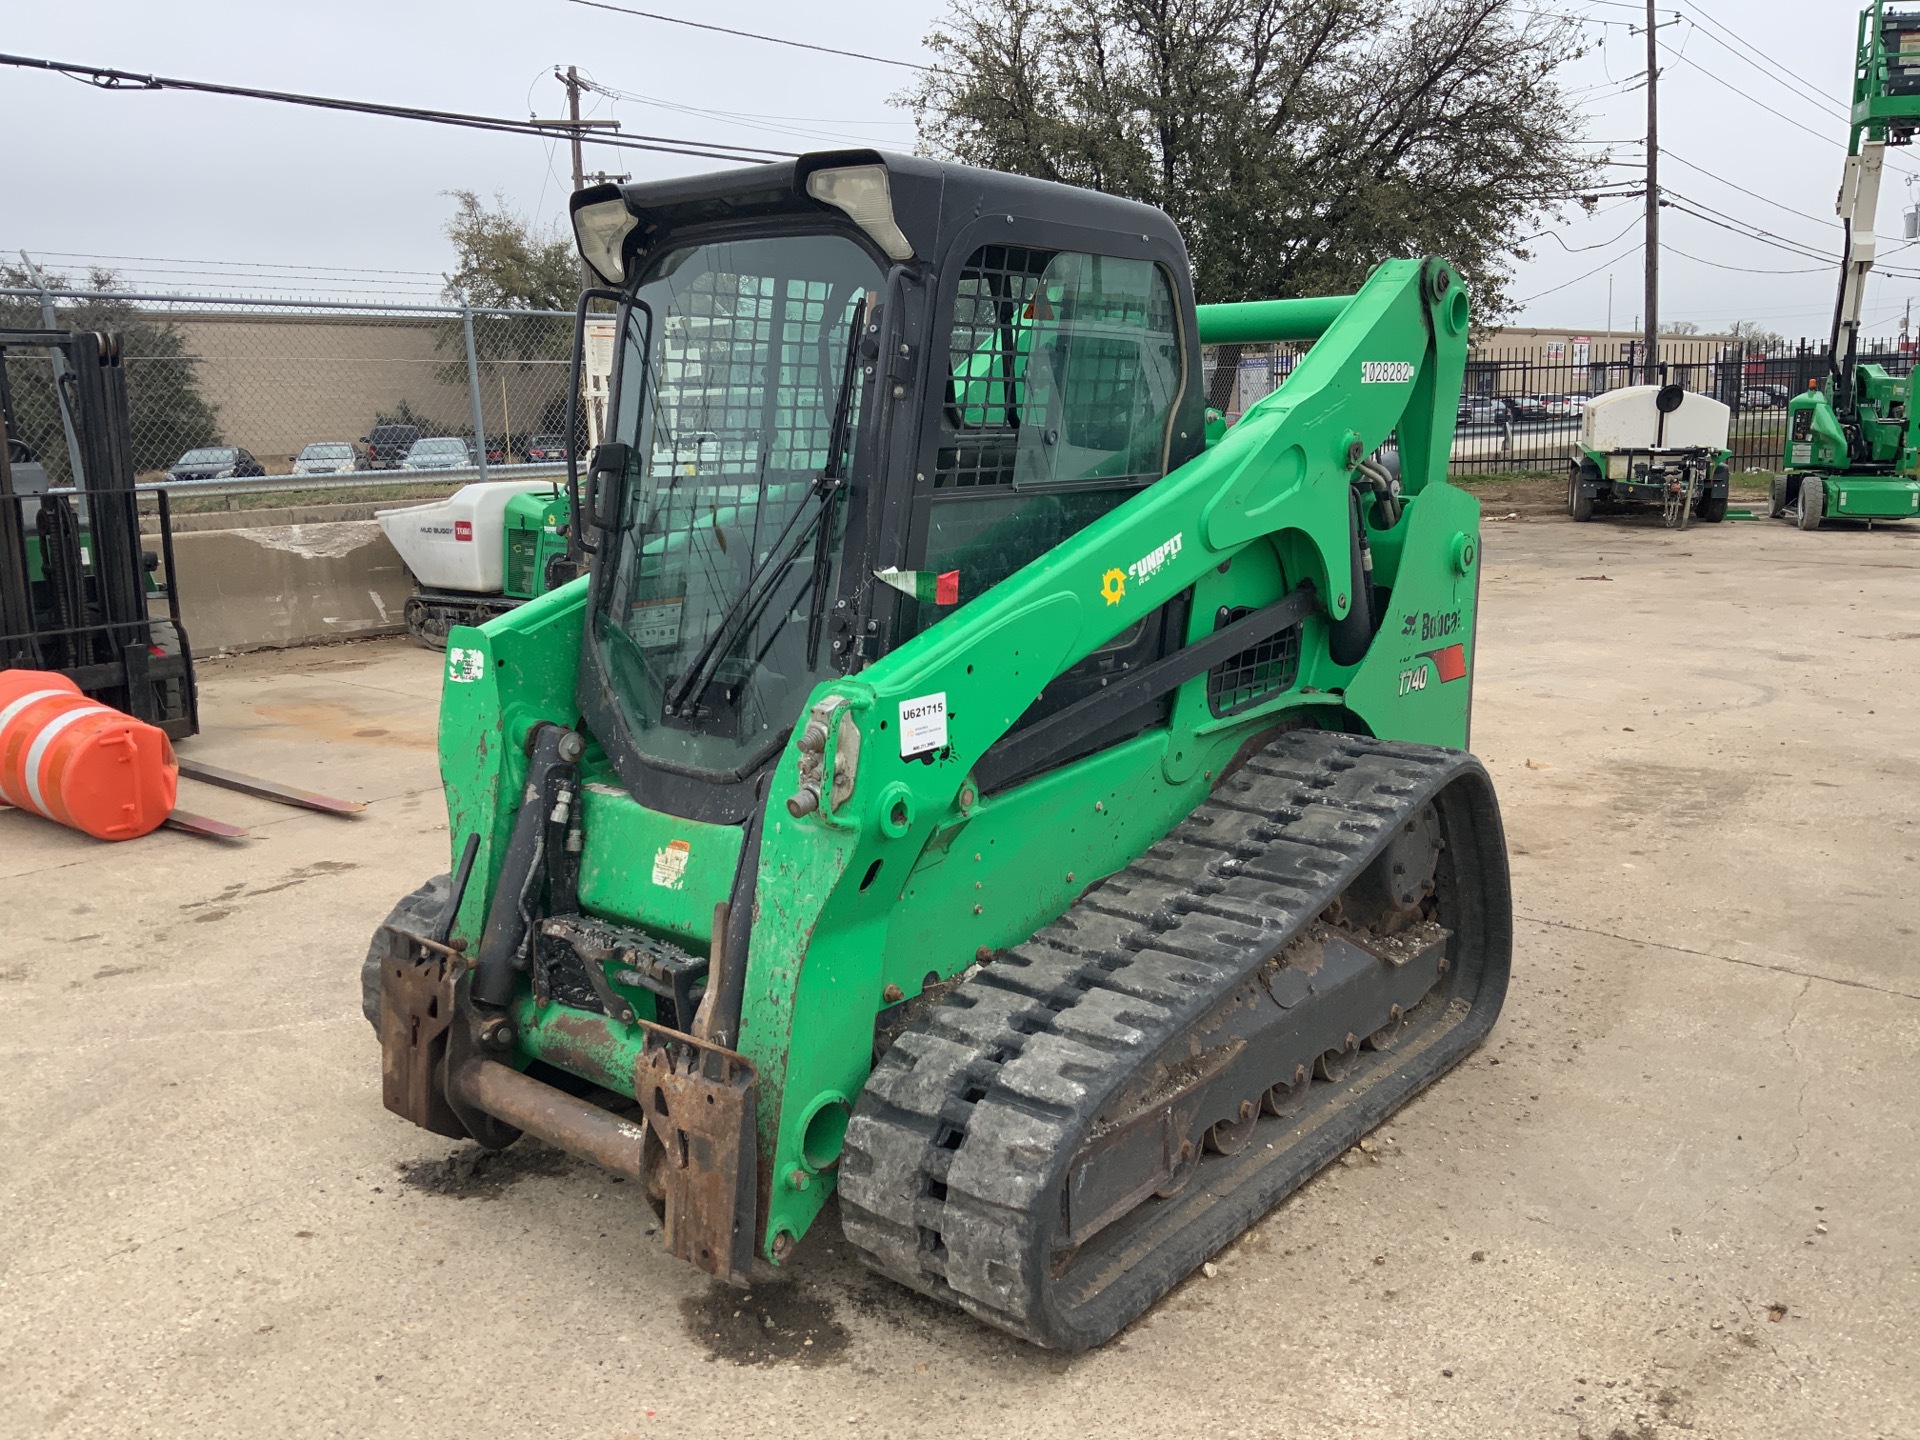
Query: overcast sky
{"type": "Point", "coordinates": [200, 193]}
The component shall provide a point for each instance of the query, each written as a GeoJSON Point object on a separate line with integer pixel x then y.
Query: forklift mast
{"type": "Point", "coordinates": [77, 586]}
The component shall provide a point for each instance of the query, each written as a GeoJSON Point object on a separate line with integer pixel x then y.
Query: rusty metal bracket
{"type": "Point", "coordinates": [417, 980]}
{"type": "Point", "coordinates": [702, 1104]}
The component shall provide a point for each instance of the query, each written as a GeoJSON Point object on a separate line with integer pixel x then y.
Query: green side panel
{"type": "Point", "coordinates": [500, 681]}
{"type": "Point", "coordinates": [653, 870]}
{"type": "Point", "coordinates": [1872, 497]}
{"type": "Point", "coordinates": [1814, 438]}
{"type": "Point", "coordinates": [534, 522]}
{"type": "Point", "coordinates": [1416, 682]}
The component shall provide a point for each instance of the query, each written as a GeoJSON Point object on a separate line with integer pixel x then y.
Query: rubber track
{"type": "Point", "coordinates": [951, 1178]}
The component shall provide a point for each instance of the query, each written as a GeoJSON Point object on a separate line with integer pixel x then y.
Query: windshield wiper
{"type": "Point", "coordinates": [757, 594]}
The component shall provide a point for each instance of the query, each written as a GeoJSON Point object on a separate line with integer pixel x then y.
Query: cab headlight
{"type": "Point", "coordinates": [863, 193]}
{"type": "Point", "coordinates": [601, 230]}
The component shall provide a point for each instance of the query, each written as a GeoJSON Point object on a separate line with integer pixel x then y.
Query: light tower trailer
{"type": "Point", "coordinates": [1652, 445]}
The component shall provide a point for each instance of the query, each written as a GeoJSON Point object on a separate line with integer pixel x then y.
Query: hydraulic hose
{"type": "Point", "coordinates": [522, 870]}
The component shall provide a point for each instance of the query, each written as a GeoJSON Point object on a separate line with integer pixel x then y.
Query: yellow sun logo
{"type": "Point", "coordinates": [1113, 585]}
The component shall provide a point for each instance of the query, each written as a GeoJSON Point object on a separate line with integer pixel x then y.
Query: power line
{"type": "Point", "coordinates": [749, 35]}
{"type": "Point", "coordinates": [1675, 54]}
{"type": "Point", "coordinates": [1743, 229]}
{"type": "Point", "coordinates": [104, 78]}
{"type": "Point", "coordinates": [1761, 61]}
{"type": "Point", "coordinates": [1752, 194]}
{"type": "Point", "coordinates": [1734, 226]}
{"type": "Point", "coordinates": [1597, 245]}
{"type": "Point", "coordinates": [793, 126]}
{"type": "Point", "coordinates": [238, 264]}
{"type": "Point", "coordinates": [1632, 249]}
{"type": "Point", "coordinates": [1743, 269]}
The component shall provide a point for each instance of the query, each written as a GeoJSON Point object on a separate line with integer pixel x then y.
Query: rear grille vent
{"type": "Point", "coordinates": [1257, 673]}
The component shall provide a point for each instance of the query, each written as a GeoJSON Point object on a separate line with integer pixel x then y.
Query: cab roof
{"type": "Point", "coordinates": [931, 199]}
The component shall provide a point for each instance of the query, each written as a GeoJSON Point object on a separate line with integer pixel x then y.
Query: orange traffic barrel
{"type": "Point", "coordinates": [79, 762]}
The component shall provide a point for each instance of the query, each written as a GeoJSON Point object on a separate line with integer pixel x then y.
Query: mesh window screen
{"type": "Point", "coordinates": [1256, 673]}
{"type": "Point", "coordinates": [711, 590]}
{"type": "Point", "coordinates": [1063, 368]}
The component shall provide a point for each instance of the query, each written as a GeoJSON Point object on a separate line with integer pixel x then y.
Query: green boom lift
{"type": "Point", "coordinates": [966, 779]}
{"type": "Point", "coordinates": [1853, 440]}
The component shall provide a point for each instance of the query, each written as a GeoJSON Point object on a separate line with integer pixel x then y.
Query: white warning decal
{"type": "Point", "coordinates": [670, 864]}
{"type": "Point", "coordinates": [923, 724]}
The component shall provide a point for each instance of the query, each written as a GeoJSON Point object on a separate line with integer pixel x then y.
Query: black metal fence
{"type": "Point", "coordinates": [1520, 406]}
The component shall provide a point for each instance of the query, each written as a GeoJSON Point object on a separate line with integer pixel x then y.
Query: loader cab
{"type": "Point", "coordinates": [851, 393]}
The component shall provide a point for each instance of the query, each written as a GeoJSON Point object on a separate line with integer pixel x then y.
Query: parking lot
{"type": "Point", "coordinates": [1673, 1195]}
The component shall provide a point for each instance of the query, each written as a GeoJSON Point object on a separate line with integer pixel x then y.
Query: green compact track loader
{"type": "Point", "coordinates": [968, 778]}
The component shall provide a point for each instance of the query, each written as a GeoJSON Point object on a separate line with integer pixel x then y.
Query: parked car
{"type": "Point", "coordinates": [327, 457]}
{"type": "Point", "coordinates": [1564, 407]}
{"type": "Point", "coordinates": [216, 462]}
{"type": "Point", "coordinates": [1763, 397]}
{"type": "Point", "coordinates": [387, 445]}
{"type": "Point", "coordinates": [1483, 410]}
{"type": "Point", "coordinates": [544, 447]}
{"type": "Point", "coordinates": [438, 452]}
{"type": "Point", "coordinates": [1528, 407]}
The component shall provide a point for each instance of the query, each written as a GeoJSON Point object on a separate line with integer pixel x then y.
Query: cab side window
{"type": "Point", "coordinates": [1064, 370]}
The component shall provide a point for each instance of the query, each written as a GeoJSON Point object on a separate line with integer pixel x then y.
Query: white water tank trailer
{"type": "Point", "coordinates": [1629, 419]}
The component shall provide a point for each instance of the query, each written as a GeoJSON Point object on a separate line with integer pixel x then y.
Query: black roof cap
{"type": "Point", "coordinates": [929, 197]}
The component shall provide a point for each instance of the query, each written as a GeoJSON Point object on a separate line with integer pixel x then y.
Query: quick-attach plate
{"type": "Point", "coordinates": [416, 1012]}
{"type": "Point", "coordinates": [702, 1105]}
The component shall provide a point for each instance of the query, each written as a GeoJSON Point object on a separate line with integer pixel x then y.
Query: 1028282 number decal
{"type": "Point", "coordinates": [1385, 372]}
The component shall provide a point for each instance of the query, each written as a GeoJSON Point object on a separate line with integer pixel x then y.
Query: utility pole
{"type": "Point", "coordinates": [1651, 337]}
{"type": "Point", "coordinates": [572, 81]}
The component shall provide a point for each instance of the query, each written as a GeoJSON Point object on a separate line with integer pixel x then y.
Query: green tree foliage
{"type": "Point", "coordinates": [1297, 143]}
{"type": "Point", "coordinates": [403, 413]}
{"type": "Point", "coordinates": [503, 262]}
{"type": "Point", "coordinates": [169, 414]}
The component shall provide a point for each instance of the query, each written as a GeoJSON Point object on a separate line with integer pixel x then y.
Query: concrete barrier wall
{"type": "Point", "coordinates": [273, 586]}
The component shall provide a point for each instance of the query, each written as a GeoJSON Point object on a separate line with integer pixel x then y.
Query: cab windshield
{"type": "Point", "coordinates": [701, 619]}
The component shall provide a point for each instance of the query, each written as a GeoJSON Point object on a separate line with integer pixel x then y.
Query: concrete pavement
{"type": "Point", "coordinates": [1673, 1195]}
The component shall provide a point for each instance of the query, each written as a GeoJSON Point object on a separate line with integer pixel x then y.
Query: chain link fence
{"type": "Point", "coordinates": [231, 390]}
{"type": "Point", "coordinates": [224, 390]}
{"type": "Point", "coordinates": [1520, 406]}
